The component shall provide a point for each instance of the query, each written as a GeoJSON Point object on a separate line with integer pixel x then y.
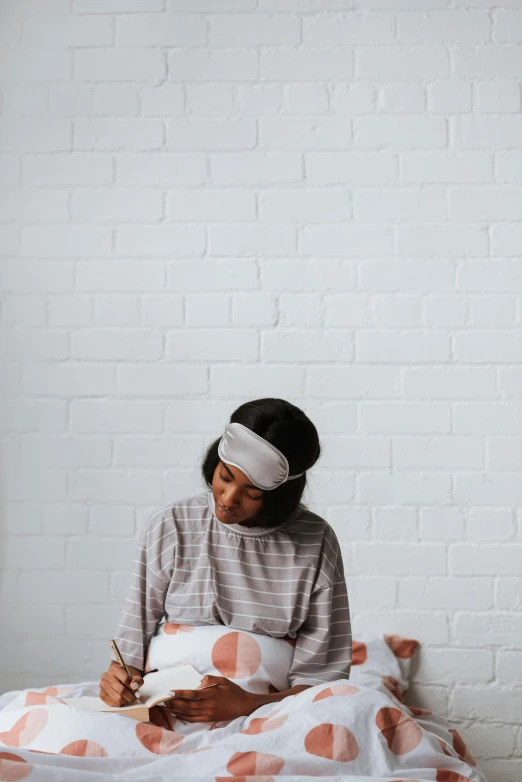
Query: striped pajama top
{"type": "Point", "coordinates": [282, 581]}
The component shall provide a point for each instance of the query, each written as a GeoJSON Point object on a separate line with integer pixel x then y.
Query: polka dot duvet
{"type": "Point", "coordinates": [358, 728]}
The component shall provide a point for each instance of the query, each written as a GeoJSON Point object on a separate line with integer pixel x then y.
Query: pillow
{"type": "Point", "coordinates": [258, 663]}
{"type": "Point", "coordinates": [383, 663]}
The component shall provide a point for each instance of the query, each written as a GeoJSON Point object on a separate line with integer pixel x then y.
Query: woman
{"type": "Point", "coordinates": [247, 554]}
{"type": "Point", "coordinates": [244, 555]}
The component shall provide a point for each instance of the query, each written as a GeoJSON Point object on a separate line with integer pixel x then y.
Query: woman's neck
{"type": "Point", "coordinates": [256, 521]}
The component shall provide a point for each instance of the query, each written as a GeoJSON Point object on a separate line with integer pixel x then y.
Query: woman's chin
{"type": "Point", "coordinates": [227, 518]}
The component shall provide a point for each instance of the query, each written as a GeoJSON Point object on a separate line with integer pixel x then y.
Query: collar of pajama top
{"type": "Point", "coordinates": [249, 531]}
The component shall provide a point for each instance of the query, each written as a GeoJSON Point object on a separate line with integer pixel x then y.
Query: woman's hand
{"type": "Point", "coordinates": [116, 687]}
{"type": "Point", "coordinates": [224, 702]}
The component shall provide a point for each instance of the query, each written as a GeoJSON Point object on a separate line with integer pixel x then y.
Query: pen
{"type": "Point", "coordinates": [122, 662]}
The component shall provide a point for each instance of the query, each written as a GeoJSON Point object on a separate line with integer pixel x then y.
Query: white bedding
{"type": "Point", "coordinates": [357, 728]}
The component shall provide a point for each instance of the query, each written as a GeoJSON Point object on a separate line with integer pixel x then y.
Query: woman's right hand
{"type": "Point", "coordinates": [116, 686]}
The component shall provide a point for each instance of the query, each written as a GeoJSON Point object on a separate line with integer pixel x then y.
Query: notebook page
{"type": "Point", "coordinates": [156, 685]}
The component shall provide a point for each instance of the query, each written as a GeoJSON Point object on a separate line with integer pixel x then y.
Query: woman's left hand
{"type": "Point", "coordinates": [226, 701]}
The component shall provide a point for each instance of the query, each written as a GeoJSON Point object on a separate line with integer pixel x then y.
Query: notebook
{"type": "Point", "coordinates": [156, 688]}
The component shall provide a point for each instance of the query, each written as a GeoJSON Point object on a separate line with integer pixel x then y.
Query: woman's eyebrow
{"type": "Point", "coordinates": [248, 485]}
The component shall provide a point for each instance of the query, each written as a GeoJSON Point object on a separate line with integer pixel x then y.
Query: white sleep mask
{"type": "Point", "coordinates": [263, 464]}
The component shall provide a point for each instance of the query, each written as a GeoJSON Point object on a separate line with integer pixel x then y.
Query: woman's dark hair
{"type": "Point", "coordinates": [289, 429]}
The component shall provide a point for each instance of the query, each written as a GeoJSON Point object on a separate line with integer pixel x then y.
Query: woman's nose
{"type": "Point", "coordinates": [230, 498]}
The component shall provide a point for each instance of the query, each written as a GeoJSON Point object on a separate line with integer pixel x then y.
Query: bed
{"type": "Point", "coordinates": [357, 728]}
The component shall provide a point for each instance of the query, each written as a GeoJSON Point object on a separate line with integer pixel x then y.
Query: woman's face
{"type": "Point", "coordinates": [233, 492]}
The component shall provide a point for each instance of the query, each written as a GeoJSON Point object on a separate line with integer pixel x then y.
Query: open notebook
{"type": "Point", "coordinates": [156, 688]}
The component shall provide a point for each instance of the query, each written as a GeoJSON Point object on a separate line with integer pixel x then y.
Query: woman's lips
{"type": "Point", "coordinates": [225, 512]}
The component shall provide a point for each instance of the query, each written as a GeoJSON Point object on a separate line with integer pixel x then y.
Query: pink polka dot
{"type": "Point", "coordinates": [444, 748]}
{"type": "Point", "coordinates": [337, 689]}
{"type": "Point", "coordinates": [236, 655]}
{"type": "Point", "coordinates": [359, 653]}
{"type": "Point", "coordinates": [254, 764]}
{"type": "Point", "coordinates": [264, 724]}
{"type": "Point", "coordinates": [392, 684]}
{"type": "Point", "coordinates": [158, 740]}
{"type": "Point", "coordinates": [13, 767]}
{"type": "Point", "coordinates": [334, 742]}
{"type": "Point", "coordinates": [257, 778]}
{"type": "Point", "coordinates": [461, 749]}
{"type": "Point", "coordinates": [83, 748]}
{"type": "Point", "coordinates": [40, 698]}
{"type": "Point", "coordinates": [48, 695]}
{"type": "Point", "coordinates": [402, 734]}
{"type": "Point", "coordinates": [417, 712]}
{"type": "Point", "coordinates": [26, 729]}
{"type": "Point", "coordinates": [404, 648]}
{"type": "Point", "coordinates": [172, 629]}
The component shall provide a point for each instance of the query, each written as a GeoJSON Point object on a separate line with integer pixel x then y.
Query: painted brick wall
{"type": "Point", "coordinates": [209, 201]}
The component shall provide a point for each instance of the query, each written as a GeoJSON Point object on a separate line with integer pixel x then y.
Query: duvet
{"type": "Point", "coordinates": [356, 728]}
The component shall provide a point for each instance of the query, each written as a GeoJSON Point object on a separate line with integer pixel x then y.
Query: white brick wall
{"type": "Point", "coordinates": [208, 201]}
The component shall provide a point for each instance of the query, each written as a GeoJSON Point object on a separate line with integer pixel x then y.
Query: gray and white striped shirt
{"type": "Point", "coordinates": [282, 581]}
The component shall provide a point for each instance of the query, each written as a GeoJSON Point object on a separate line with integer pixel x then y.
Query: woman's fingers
{"type": "Point", "coordinates": [136, 683]}
{"type": "Point", "coordinates": [190, 695]}
{"type": "Point", "coordinates": [114, 693]}
{"type": "Point", "coordinates": [189, 711]}
{"type": "Point", "coordinates": [158, 717]}
{"type": "Point", "coordinates": [115, 697]}
{"type": "Point", "coordinates": [110, 697]}
{"type": "Point", "coordinates": [195, 718]}
{"type": "Point", "coordinates": [190, 704]}
{"type": "Point", "coordinates": [115, 687]}
{"type": "Point", "coordinates": [121, 675]}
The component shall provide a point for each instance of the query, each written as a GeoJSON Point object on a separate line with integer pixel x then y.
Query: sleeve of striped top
{"type": "Point", "coordinates": [323, 650]}
{"type": "Point", "coordinates": [151, 576]}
